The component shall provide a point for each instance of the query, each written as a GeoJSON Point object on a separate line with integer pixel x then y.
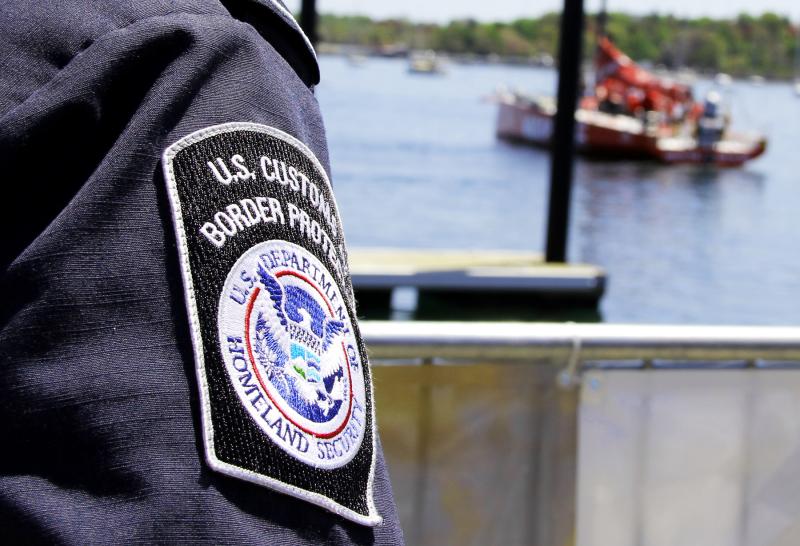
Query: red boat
{"type": "Point", "coordinates": [634, 115]}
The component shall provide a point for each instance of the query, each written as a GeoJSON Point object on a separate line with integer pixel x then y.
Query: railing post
{"type": "Point", "coordinates": [562, 150]}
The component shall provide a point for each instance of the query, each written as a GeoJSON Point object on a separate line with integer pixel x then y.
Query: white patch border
{"type": "Point", "coordinates": [373, 518]}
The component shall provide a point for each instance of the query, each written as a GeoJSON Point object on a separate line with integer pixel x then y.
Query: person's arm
{"type": "Point", "coordinates": [129, 413]}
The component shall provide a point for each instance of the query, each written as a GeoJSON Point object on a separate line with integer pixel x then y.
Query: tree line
{"type": "Point", "coordinates": [765, 45]}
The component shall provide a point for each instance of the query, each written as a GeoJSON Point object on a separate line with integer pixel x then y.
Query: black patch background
{"type": "Point", "coordinates": [238, 440]}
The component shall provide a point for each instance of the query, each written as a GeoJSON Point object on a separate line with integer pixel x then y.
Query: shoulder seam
{"type": "Point", "coordinates": [219, 18]}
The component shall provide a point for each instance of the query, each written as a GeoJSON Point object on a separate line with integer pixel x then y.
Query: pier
{"type": "Point", "coordinates": [500, 276]}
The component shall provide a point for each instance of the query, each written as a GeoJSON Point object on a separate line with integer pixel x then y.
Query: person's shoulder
{"type": "Point", "coordinates": [41, 38]}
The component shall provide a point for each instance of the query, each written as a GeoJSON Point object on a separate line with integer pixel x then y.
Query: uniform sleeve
{"type": "Point", "coordinates": [99, 403]}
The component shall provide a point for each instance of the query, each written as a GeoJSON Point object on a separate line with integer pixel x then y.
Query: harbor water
{"type": "Point", "coordinates": [416, 164]}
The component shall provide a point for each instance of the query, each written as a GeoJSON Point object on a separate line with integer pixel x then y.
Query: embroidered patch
{"type": "Point", "coordinates": [284, 379]}
{"type": "Point", "coordinates": [288, 345]}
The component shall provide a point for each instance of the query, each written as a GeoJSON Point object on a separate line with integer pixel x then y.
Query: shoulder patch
{"type": "Point", "coordinates": [284, 380]}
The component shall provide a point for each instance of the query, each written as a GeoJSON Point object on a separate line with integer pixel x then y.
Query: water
{"type": "Point", "coordinates": [416, 164]}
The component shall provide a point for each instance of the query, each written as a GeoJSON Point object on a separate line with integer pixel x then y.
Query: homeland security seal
{"type": "Point", "coordinates": [284, 381]}
{"type": "Point", "coordinates": [291, 354]}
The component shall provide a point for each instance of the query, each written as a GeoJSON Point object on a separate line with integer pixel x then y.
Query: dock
{"type": "Point", "coordinates": [477, 276]}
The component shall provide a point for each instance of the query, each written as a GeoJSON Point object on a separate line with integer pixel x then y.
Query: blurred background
{"type": "Point", "coordinates": [417, 163]}
{"type": "Point", "coordinates": [669, 415]}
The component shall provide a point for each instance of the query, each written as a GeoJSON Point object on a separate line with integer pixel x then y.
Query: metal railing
{"type": "Point", "coordinates": [749, 345]}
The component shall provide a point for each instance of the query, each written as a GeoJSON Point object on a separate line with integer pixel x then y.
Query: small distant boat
{"type": "Point", "coordinates": [723, 80]}
{"type": "Point", "coordinates": [546, 60]}
{"type": "Point", "coordinates": [634, 115]}
{"type": "Point", "coordinates": [356, 59]}
{"type": "Point", "coordinates": [425, 62]}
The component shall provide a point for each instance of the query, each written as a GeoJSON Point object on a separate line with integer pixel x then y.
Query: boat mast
{"type": "Point", "coordinates": [797, 61]}
{"type": "Point", "coordinates": [602, 18]}
{"type": "Point", "coordinates": [600, 32]}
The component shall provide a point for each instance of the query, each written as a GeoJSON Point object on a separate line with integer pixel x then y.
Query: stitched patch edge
{"type": "Point", "coordinates": [373, 518]}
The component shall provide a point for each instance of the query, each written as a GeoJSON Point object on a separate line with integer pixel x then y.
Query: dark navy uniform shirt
{"type": "Point", "coordinates": [99, 416]}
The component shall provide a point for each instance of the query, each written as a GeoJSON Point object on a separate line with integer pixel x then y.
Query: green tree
{"type": "Point", "coordinates": [743, 45]}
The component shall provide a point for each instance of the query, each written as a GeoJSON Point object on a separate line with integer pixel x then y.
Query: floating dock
{"type": "Point", "coordinates": [475, 276]}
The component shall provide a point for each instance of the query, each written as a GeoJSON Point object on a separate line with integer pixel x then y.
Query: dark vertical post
{"type": "Point", "coordinates": [562, 150]}
{"type": "Point", "coordinates": [308, 20]}
{"type": "Point", "coordinates": [602, 18]}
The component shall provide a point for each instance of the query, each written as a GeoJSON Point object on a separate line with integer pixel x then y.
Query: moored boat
{"type": "Point", "coordinates": [634, 115]}
{"type": "Point", "coordinates": [425, 62]}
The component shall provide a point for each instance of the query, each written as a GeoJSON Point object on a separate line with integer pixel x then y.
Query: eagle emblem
{"type": "Point", "coordinates": [298, 347]}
